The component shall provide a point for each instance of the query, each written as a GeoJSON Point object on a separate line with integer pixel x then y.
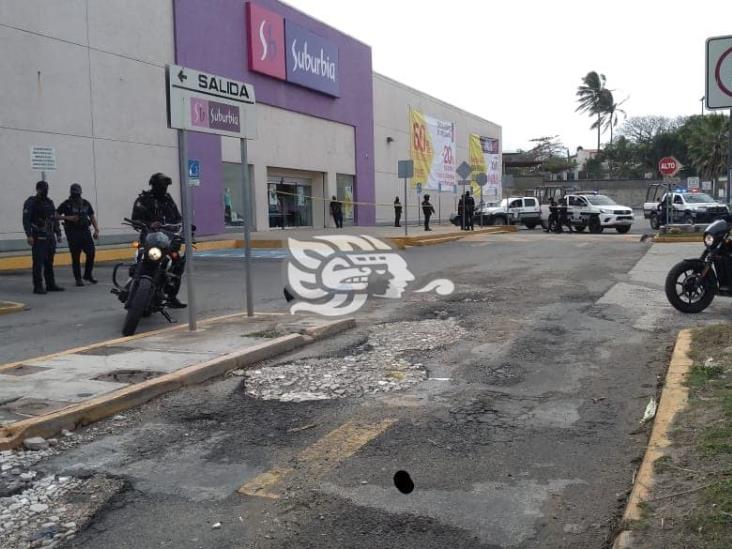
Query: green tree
{"type": "Point", "coordinates": [590, 99]}
{"type": "Point", "coordinates": [610, 109]}
{"type": "Point", "coordinates": [624, 158]}
{"type": "Point", "coordinates": [707, 139]}
{"type": "Point", "coordinates": [593, 168]}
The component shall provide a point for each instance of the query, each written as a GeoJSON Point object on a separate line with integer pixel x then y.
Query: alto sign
{"type": "Point", "coordinates": [669, 166]}
{"type": "Point", "coordinates": [282, 49]}
{"type": "Point", "coordinates": [208, 103]}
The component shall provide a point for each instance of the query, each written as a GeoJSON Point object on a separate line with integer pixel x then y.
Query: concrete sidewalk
{"type": "Point", "coordinates": [78, 386]}
{"type": "Point", "coordinates": [272, 239]}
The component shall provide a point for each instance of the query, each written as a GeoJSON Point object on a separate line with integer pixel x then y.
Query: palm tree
{"type": "Point", "coordinates": [708, 142]}
{"type": "Point", "coordinates": [589, 97]}
{"type": "Point", "coordinates": [610, 109]}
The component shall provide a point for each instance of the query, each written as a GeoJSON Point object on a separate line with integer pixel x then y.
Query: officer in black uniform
{"type": "Point", "coordinates": [42, 230]}
{"type": "Point", "coordinates": [156, 207]}
{"type": "Point", "coordinates": [78, 217]}
{"type": "Point", "coordinates": [469, 211]}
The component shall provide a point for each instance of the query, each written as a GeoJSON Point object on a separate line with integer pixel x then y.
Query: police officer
{"type": "Point", "coordinates": [155, 208]}
{"type": "Point", "coordinates": [78, 217]}
{"type": "Point", "coordinates": [469, 211]}
{"type": "Point", "coordinates": [42, 230]}
{"type": "Point", "coordinates": [397, 212]}
{"type": "Point", "coordinates": [427, 210]}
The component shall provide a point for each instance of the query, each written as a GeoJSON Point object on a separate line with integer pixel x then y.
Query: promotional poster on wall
{"type": "Point", "coordinates": [485, 157]}
{"type": "Point", "coordinates": [432, 151]}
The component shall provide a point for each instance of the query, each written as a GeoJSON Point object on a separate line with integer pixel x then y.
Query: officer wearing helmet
{"type": "Point", "coordinates": [155, 208]}
{"type": "Point", "coordinates": [78, 217]}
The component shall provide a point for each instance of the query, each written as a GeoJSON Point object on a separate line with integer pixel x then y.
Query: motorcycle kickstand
{"type": "Point", "coordinates": [167, 316]}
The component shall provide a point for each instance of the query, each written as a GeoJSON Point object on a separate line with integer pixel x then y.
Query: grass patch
{"type": "Point", "coordinates": [662, 464]}
{"type": "Point", "coordinates": [712, 521]}
{"type": "Point", "coordinates": [716, 440]}
{"type": "Point", "coordinates": [699, 375]}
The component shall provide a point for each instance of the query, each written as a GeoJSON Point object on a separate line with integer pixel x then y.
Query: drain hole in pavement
{"type": "Point", "coordinates": [403, 482]}
{"type": "Point", "coordinates": [128, 376]}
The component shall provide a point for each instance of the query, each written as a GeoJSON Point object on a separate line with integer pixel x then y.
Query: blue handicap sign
{"type": "Point", "coordinates": [194, 169]}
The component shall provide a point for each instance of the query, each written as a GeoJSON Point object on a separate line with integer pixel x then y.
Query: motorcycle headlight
{"type": "Point", "coordinates": [708, 240]}
{"type": "Point", "coordinates": [155, 254]}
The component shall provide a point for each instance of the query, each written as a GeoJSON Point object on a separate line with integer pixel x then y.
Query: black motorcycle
{"type": "Point", "coordinates": [692, 283]}
{"type": "Point", "coordinates": [150, 277]}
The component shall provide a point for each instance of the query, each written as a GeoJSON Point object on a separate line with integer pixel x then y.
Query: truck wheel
{"type": "Point", "coordinates": [688, 219]}
{"type": "Point", "coordinates": [500, 220]}
{"type": "Point", "coordinates": [531, 226]}
{"type": "Point", "coordinates": [595, 226]}
{"type": "Point", "coordinates": [653, 220]}
{"type": "Point", "coordinates": [580, 228]}
{"type": "Point", "coordinates": [622, 230]}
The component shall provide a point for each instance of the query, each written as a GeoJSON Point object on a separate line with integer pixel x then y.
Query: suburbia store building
{"type": "Point", "coordinates": [327, 125]}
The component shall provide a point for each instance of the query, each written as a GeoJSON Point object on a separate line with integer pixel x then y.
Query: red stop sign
{"type": "Point", "coordinates": [669, 166]}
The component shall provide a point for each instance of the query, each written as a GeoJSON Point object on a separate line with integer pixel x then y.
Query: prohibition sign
{"type": "Point", "coordinates": [718, 72]}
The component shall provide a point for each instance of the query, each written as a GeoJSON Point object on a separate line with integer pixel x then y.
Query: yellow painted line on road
{"type": "Point", "coordinates": [325, 454]}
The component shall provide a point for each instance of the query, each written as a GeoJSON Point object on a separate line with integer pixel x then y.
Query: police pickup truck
{"type": "Point", "coordinates": [688, 207]}
{"type": "Point", "coordinates": [518, 210]}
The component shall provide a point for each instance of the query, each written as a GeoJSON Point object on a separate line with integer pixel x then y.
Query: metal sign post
{"type": "Point", "coordinates": [405, 170]}
{"type": "Point", "coordinates": [246, 193]}
{"type": "Point", "coordinates": [208, 103]}
{"type": "Point", "coordinates": [481, 179]}
{"type": "Point", "coordinates": [439, 203]}
{"type": "Point", "coordinates": [419, 194]}
{"type": "Point", "coordinates": [185, 195]}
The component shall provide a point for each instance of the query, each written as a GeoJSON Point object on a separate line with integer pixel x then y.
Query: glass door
{"type": "Point", "coordinates": [290, 202]}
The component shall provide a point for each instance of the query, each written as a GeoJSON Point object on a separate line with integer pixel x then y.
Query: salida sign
{"type": "Point", "coordinates": [285, 50]}
{"type": "Point", "coordinates": [669, 166]}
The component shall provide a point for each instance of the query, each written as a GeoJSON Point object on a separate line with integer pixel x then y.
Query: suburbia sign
{"type": "Point", "coordinates": [287, 51]}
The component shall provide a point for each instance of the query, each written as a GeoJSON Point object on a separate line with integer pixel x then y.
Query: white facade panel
{"type": "Point", "coordinates": [62, 19]}
{"type": "Point", "coordinates": [140, 29]}
{"type": "Point", "coordinates": [123, 170]}
{"type": "Point", "coordinates": [74, 164]}
{"type": "Point", "coordinates": [45, 84]}
{"type": "Point", "coordinates": [129, 100]}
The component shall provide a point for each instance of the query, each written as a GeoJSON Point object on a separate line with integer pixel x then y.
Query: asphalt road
{"type": "Point", "coordinates": [526, 433]}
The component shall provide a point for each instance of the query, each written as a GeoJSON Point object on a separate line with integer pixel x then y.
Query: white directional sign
{"type": "Point", "coordinates": [43, 159]}
{"type": "Point", "coordinates": [719, 72]}
{"type": "Point", "coordinates": [203, 102]}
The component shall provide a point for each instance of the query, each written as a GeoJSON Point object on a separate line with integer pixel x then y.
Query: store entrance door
{"type": "Point", "coordinates": [290, 204]}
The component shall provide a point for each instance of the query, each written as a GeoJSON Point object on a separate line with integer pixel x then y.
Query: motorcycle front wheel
{"type": "Point", "coordinates": [686, 290]}
{"type": "Point", "coordinates": [139, 301]}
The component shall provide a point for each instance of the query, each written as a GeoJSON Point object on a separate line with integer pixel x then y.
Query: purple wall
{"type": "Point", "coordinates": [211, 36]}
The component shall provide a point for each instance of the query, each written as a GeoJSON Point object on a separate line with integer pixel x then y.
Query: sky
{"type": "Point", "coordinates": [518, 63]}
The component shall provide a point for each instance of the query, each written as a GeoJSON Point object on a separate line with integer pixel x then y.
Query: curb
{"type": "Point", "coordinates": [112, 403]}
{"type": "Point", "coordinates": [402, 242]}
{"type": "Point", "coordinates": [674, 397]}
{"type": "Point", "coordinates": [7, 307]}
{"type": "Point", "coordinates": [671, 239]}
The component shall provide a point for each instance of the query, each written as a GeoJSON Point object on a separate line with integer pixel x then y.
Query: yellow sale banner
{"type": "Point", "coordinates": [432, 151]}
{"type": "Point", "coordinates": [484, 157]}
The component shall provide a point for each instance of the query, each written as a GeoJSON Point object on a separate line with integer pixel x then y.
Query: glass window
{"type": "Point", "coordinates": [600, 200]}
{"type": "Point", "coordinates": [231, 194]}
{"type": "Point", "coordinates": [530, 203]}
{"type": "Point", "coordinates": [344, 188]}
{"type": "Point", "coordinates": [515, 203]}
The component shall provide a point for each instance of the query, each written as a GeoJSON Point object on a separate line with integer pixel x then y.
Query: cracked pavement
{"type": "Point", "coordinates": [513, 404]}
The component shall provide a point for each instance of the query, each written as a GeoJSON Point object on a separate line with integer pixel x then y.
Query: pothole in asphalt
{"type": "Point", "coordinates": [128, 376]}
{"type": "Point", "coordinates": [386, 361]}
{"type": "Point", "coordinates": [403, 482]}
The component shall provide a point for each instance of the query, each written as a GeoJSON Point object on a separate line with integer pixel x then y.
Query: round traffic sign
{"type": "Point", "coordinates": [719, 72]}
{"type": "Point", "coordinates": [669, 166]}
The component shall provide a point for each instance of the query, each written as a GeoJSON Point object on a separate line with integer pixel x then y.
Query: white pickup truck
{"type": "Point", "coordinates": [688, 208]}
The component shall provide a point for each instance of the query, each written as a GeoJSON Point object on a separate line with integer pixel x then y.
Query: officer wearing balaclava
{"type": "Point", "coordinates": [78, 218]}
{"type": "Point", "coordinates": [42, 231]}
{"type": "Point", "coordinates": [155, 208]}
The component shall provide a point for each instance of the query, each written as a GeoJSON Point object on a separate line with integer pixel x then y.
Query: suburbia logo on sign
{"type": "Point", "coordinates": [215, 115]}
{"type": "Point", "coordinates": [285, 50]}
{"type": "Point", "coordinates": [266, 31]}
{"type": "Point", "coordinates": [311, 60]}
